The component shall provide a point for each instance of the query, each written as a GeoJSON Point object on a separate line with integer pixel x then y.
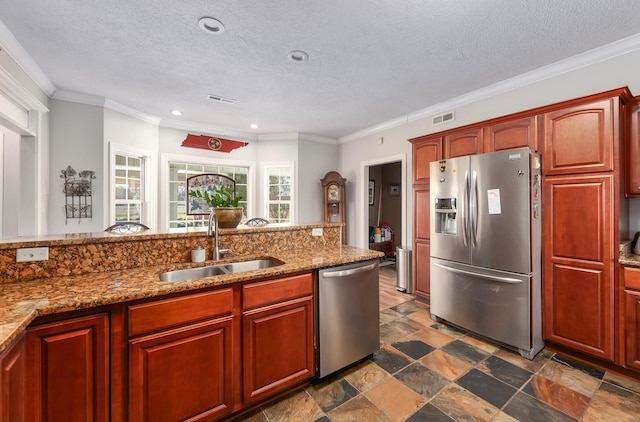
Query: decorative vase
{"type": "Point", "coordinates": [228, 218]}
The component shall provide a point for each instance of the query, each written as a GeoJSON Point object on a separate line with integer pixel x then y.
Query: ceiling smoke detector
{"type": "Point", "coordinates": [221, 99]}
{"type": "Point", "coordinates": [211, 25]}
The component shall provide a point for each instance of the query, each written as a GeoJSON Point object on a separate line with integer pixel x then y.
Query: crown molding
{"type": "Point", "coordinates": [19, 55]}
{"type": "Point", "coordinates": [609, 51]}
{"type": "Point", "coordinates": [389, 124]}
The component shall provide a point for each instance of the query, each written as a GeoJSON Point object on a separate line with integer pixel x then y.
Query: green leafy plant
{"type": "Point", "coordinates": [223, 197]}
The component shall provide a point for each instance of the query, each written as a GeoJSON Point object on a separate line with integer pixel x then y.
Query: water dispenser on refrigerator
{"type": "Point", "coordinates": [446, 215]}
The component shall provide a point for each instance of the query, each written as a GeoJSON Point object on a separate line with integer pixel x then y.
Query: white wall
{"type": "Point", "coordinates": [11, 190]}
{"type": "Point", "coordinates": [315, 160]}
{"type": "Point", "coordinates": [606, 75]}
{"type": "Point", "coordinates": [77, 134]}
{"type": "Point", "coordinates": [139, 137]}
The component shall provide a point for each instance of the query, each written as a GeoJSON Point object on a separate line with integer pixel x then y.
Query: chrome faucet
{"type": "Point", "coordinates": [212, 230]}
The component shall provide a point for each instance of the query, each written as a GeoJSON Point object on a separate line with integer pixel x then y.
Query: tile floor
{"type": "Point", "coordinates": [427, 371]}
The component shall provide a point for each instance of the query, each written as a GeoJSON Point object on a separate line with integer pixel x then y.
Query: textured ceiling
{"type": "Point", "coordinates": [370, 61]}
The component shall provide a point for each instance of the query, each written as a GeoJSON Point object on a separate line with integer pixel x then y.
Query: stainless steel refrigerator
{"type": "Point", "coordinates": [485, 246]}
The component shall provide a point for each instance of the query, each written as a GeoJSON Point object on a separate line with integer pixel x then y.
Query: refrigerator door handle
{"type": "Point", "coordinates": [465, 212]}
{"type": "Point", "coordinates": [473, 210]}
{"type": "Point", "coordinates": [508, 280]}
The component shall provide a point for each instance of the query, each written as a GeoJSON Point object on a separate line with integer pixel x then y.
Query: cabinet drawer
{"type": "Point", "coordinates": [167, 313]}
{"type": "Point", "coordinates": [274, 291]}
{"type": "Point", "coordinates": [632, 278]}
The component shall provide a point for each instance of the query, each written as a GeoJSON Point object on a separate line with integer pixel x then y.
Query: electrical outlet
{"type": "Point", "coordinates": [316, 232]}
{"type": "Point", "coordinates": [32, 254]}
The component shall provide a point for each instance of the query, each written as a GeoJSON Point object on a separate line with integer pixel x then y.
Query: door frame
{"type": "Point", "coordinates": [362, 198]}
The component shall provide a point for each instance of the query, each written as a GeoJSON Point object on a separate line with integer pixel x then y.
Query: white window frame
{"type": "Point", "coordinates": [292, 201]}
{"type": "Point", "coordinates": [166, 159]}
{"type": "Point", "coordinates": [148, 215]}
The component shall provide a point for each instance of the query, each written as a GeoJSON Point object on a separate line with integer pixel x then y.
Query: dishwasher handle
{"type": "Point", "coordinates": [351, 271]}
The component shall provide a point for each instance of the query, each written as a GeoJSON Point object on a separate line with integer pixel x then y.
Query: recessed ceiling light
{"type": "Point", "coordinates": [211, 25]}
{"type": "Point", "coordinates": [298, 56]}
{"type": "Point", "coordinates": [176, 112]}
{"type": "Point", "coordinates": [253, 126]}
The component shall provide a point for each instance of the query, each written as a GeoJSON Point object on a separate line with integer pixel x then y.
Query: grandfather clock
{"type": "Point", "coordinates": [333, 200]}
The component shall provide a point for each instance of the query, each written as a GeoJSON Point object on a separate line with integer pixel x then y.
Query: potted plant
{"type": "Point", "coordinates": [222, 201]}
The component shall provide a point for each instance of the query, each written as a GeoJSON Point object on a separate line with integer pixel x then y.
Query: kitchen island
{"type": "Point", "coordinates": [112, 284]}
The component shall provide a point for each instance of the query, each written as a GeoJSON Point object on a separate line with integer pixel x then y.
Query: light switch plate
{"type": "Point", "coordinates": [316, 232]}
{"type": "Point", "coordinates": [32, 254]}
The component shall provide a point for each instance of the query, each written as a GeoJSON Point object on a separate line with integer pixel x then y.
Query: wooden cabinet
{"type": "Point", "coordinates": [421, 250]}
{"type": "Point", "coordinates": [578, 273]}
{"type": "Point", "coordinates": [516, 133]}
{"type": "Point", "coordinates": [581, 138]}
{"type": "Point", "coordinates": [13, 366]}
{"type": "Point", "coordinates": [421, 268]}
{"type": "Point", "coordinates": [68, 370]}
{"type": "Point", "coordinates": [463, 142]}
{"type": "Point", "coordinates": [631, 324]}
{"type": "Point", "coordinates": [425, 150]}
{"type": "Point", "coordinates": [182, 365]}
{"type": "Point", "coordinates": [633, 153]}
{"type": "Point", "coordinates": [277, 321]}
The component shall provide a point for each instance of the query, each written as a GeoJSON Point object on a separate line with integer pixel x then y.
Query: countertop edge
{"type": "Point", "coordinates": [25, 301]}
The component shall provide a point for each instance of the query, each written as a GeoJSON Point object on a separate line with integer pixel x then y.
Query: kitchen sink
{"type": "Point", "coordinates": [219, 269]}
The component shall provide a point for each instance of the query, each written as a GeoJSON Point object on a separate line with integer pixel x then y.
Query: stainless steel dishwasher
{"type": "Point", "coordinates": [348, 316]}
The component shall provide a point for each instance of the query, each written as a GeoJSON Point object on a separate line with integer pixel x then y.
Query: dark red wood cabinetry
{"type": "Point", "coordinates": [583, 145]}
{"type": "Point", "coordinates": [13, 367]}
{"type": "Point", "coordinates": [425, 150]}
{"type": "Point", "coordinates": [631, 325]}
{"type": "Point", "coordinates": [277, 321]}
{"type": "Point", "coordinates": [578, 263]}
{"type": "Point", "coordinates": [633, 153]}
{"type": "Point", "coordinates": [68, 370]}
{"type": "Point", "coordinates": [581, 138]}
{"type": "Point", "coordinates": [516, 133]}
{"type": "Point", "coordinates": [458, 143]}
{"type": "Point", "coordinates": [181, 365]}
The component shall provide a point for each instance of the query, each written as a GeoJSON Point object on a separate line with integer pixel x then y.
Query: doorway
{"type": "Point", "coordinates": [383, 199]}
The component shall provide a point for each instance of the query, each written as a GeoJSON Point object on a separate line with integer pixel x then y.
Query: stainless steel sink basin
{"type": "Point", "coordinates": [218, 269]}
{"type": "Point", "coordinates": [256, 264]}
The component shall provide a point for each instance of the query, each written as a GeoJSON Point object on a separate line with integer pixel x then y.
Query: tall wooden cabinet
{"type": "Point", "coordinates": [582, 190]}
{"type": "Point", "coordinates": [425, 150]}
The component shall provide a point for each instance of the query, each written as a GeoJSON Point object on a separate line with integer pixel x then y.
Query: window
{"type": "Point", "coordinates": [178, 174]}
{"type": "Point", "coordinates": [129, 188]}
{"type": "Point", "coordinates": [279, 193]}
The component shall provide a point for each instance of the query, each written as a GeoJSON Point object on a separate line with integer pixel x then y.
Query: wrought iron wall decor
{"type": "Point", "coordinates": [77, 191]}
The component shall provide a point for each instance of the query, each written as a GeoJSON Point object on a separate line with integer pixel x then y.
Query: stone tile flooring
{"type": "Point", "coordinates": [427, 371]}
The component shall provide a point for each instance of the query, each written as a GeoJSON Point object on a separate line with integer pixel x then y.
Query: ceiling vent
{"type": "Point", "coordinates": [445, 117]}
{"type": "Point", "coordinates": [221, 99]}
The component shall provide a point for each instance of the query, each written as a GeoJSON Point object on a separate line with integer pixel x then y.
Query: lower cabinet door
{"type": "Point", "coordinates": [68, 370]}
{"type": "Point", "coordinates": [13, 366]}
{"type": "Point", "coordinates": [182, 374]}
{"type": "Point", "coordinates": [278, 347]}
{"type": "Point", "coordinates": [632, 329]}
{"type": "Point", "coordinates": [421, 269]}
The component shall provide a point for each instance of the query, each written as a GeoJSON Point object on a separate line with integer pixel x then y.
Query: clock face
{"type": "Point", "coordinates": [333, 193]}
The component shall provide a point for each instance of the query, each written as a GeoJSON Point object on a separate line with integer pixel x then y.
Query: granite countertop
{"type": "Point", "coordinates": [22, 302]}
{"type": "Point", "coordinates": [626, 257]}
